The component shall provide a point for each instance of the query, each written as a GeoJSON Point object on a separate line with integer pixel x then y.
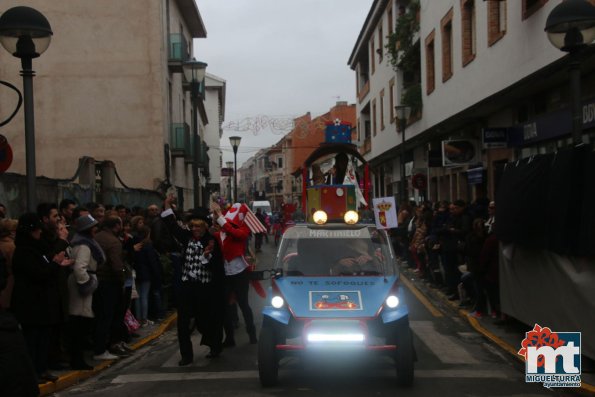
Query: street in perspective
{"type": "Point", "coordinates": [289, 198]}
{"type": "Point", "coordinates": [453, 359]}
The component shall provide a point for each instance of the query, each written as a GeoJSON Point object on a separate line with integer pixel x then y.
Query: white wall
{"type": "Point", "coordinates": [523, 50]}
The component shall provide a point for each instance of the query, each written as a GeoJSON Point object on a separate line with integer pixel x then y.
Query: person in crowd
{"type": "Point", "coordinates": [168, 247]}
{"type": "Point", "coordinates": [491, 221]}
{"type": "Point", "coordinates": [200, 294]}
{"type": "Point", "coordinates": [108, 299]}
{"type": "Point", "coordinates": [34, 301]}
{"type": "Point", "coordinates": [82, 282]}
{"type": "Point", "coordinates": [452, 238]}
{"type": "Point", "coordinates": [233, 237]}
{"type": "Point", "coordinates": [55, 235]}
{"type": "Point", "coordinates": [416, 247]}
{"type": "Point", "coordinates": [2, 211]}
{"type": "Point", "coordinates": [17, 374]}
{"type": "Point", "coordinates": [8, 228]}
{"type": "Point", "coordinates": [122, 211]}
{"type": "Point", "coordinates": [399, 234]}
{"type": "Point", "coordinates": [258, 237]}
{"type": "Point", "coordinates": [97, 210]}
{"type": "Point", "coordinates": [65, 209]}
{"type": "Point", "coordinates": [146, 265]}
{"type": "Point", "coordinates": [76, 212]}
{"type": "Point", "coordinates": [473, 245]}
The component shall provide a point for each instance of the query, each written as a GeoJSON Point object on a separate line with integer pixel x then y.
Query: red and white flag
{"type": "Point", "coordinates": [240, 212]}
{"type": "Point", "coordinates": [253, 223]}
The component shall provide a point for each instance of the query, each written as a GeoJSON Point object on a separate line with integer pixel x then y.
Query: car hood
{"type": "Point", "coordinates": [332, 297]}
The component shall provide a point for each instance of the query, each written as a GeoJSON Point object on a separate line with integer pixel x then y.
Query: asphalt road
{"type": "Point", "coordinates": [453, 360]}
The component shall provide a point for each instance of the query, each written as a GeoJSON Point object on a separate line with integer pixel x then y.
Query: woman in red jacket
{"type": "Point", "coordinates": [233, 238]}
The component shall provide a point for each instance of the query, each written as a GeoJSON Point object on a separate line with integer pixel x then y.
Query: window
{"type": "Point", "coordinates": [372, 55]}
{"type": "Point", "coordinates": [380, 49]}
{"type": "Point", "coordinates": [496, 21]}
{"type": "Point", "coordinates": [430, 74]}
{"type": "Point", "coordinates": [530, 7]}
{"type": "Point", "coordinates": [382, 110]}
{"type": "Point", "coordinates": [280, 162]}
{"type": "Point", "coordinates": [391, 106]}
{"type": "Point", "coordinates": [374, 117]}
{"type": "Point", "coordinates": [446, 26]}
{"type": "Point", "coordinates": [468, 30]}
{"type": "Point", "coordinates": [390, 18]}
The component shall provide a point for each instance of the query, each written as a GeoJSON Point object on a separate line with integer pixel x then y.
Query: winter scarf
{"type": "Point", "coordinates": [96, 250]}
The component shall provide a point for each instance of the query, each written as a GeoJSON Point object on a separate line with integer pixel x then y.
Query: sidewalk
{"type": "Point", "coordinates": [68, 378]}
{"type": "Point", "coordinates": [506, 334]}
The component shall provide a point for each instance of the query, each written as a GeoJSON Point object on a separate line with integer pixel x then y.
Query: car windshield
{"type": "Point", "coordinates": [335, 251]}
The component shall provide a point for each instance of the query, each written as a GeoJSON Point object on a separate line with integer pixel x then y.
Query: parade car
{"type": "Point", "coordinates": [335, 290]}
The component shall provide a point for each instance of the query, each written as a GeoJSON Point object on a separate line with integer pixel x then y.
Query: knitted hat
{"type": "Point", "coordinates": [84, 222]}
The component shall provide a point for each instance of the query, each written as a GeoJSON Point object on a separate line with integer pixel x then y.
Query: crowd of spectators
{"type": "Point", "coordinates": [72, 276]}
{"type": "Point", "coordinates": [453, 246]}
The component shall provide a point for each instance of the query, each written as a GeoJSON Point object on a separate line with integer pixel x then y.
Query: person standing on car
{"type": "Point", "coordinates": [233, 237]}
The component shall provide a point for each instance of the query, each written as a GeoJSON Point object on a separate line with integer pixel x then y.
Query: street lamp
{"type": "Point", "coordinates": [235, 142]}
{"type": "Point", "coordinates": [26, 34]}
{"type": "Point", "coordinates": [570, 27]}
{"type": "Point", "coordinates": [229, 165]}
{"type": "Point", "coordinates": [403, 112]}
{"type": "Point", "coordinates": [194, 72]}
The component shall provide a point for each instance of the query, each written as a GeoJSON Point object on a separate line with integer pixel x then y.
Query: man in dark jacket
{"type": "Point", "coordinates": [109, 296]}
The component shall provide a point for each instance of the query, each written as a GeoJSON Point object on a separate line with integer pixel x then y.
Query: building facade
{"type": "Point", "coordinates": [490, 80]}
{"type": "Point", "coordinates": [111, 87]}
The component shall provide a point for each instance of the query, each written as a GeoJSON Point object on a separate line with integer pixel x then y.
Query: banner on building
{"type": "Point", "coordinates": [494, 138]}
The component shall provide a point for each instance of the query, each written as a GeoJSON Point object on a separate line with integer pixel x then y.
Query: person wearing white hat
{"type": "Point", "coordinates": [82, 282]}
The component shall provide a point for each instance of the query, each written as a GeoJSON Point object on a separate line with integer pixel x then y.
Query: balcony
{"type": "Point", "coordinates": [189, 154]}
{"type": "Point", "coordinates": [179, 140]}
{"type": "Point", "coordinates": [177, 52]}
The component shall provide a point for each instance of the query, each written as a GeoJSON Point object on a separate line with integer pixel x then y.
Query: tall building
{"type": "Point", "coordinates": [111, 87]}
{"type": "Point", "coordinates": [488, 81]}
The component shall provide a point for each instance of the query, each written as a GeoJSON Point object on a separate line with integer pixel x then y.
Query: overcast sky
{"type": "Point", "coordinates": [281, 59]}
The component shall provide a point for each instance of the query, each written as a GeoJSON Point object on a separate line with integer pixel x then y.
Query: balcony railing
{"type": "Point", "coordinates": [179, 140]}
{"type": "Point", "coordinates": [177, 51]}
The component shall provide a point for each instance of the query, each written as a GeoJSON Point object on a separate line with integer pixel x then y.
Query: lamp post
{"type": "Point", "coordinates": [570, 27]}
{"type": "Point", "coordinates": [229, 165]}
{"type": "Point", "coordinates": [235, 142]}
{"type": "Point", "coordinates": [194, 72]}
{"type": "Point", "coordinates": [26, 34]}
{"type": "Point", "coordinates": [403, 112]}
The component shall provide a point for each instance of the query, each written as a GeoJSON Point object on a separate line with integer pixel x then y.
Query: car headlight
{"type": "Point", "coordinates": [319, 217]}
{"type": "Point", "coordinates": [277, 302]}
{"type": "Point", "coordinates": [392, 301]}
{"type": "Point", "coordinates": [351, 217]}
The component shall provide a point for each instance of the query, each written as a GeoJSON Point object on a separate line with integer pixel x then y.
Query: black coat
{"type": "Point", "coordinates": [36, 296]}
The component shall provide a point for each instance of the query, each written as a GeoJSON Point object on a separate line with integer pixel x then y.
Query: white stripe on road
{"type": "Point", "coordinates": [191, 376]}
{"type": "Point", "coordinates": [152, 377]}
{"type": "Point", "coordinates": [446, 348]}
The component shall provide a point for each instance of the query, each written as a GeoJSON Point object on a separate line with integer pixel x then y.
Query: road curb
{"type": "Point", "coordinates": [74, 377]}
{"type": "Point", "coordinates": [585, 389]}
